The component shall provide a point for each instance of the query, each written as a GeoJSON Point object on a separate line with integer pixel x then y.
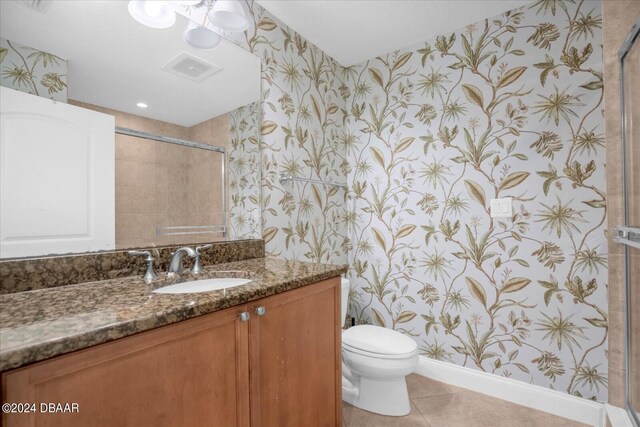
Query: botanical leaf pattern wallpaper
{"type": "Point", "coordinates": [425, 137]}
{"type": "Point", "coordinates": [33, 71]}
{"type": "Point", "coordinates": [506, 107]}
{"type": "Point", "coordinates": [301, 135]}
{"type": "Point", "coordinates": [244, 172]}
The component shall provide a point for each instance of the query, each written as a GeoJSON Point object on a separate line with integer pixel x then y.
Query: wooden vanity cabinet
{"type": "Point", "coordinates": [281, 368]}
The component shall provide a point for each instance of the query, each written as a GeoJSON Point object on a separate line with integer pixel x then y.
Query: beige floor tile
{"type": "Point", "coordinates": [355, 417]}
{"type": "Point", "coordinates": [420, 387]}
{"type": "Point", "coordinates": [437, 404]}
{"type": "Point", "coordinates": [527, 417]}
{"type": "Point", "coordinates": [464, 409]}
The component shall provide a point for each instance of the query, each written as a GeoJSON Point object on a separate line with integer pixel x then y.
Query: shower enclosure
{"type": "Point", "coordinates": [629, 233]}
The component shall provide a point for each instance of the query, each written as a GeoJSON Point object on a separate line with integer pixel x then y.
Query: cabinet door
{"type": "Point", "coordinates": [295, 358]}
{"type": "Point", "coordinates": [193, 373]}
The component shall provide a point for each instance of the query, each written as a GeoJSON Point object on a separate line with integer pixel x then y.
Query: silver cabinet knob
{"type": "Point", "coordinates": [244, 316]}
{"type": "Point", "coordinates": [260, 311]}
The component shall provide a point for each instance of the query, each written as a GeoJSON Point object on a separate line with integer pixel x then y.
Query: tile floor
{"type": "Point", "coordinates": [436, 404]}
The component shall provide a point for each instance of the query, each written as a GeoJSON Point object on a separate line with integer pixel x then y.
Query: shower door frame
{"type": "Point", "coordinates": [624, 233]}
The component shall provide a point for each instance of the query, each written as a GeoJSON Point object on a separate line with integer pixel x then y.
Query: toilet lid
{"type": "Point", "coordinates": [378, 340]}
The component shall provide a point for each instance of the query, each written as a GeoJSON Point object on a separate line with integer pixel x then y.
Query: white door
{"type": "Point", "coordinates": [56, 177]}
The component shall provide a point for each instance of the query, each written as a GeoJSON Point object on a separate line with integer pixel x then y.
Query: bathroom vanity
{"type": "Point", "coordinates": [262, 354]}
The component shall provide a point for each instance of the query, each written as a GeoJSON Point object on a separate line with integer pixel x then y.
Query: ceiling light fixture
{"type": "Point", "coordinates": [207, 18]}
{"type": "Point", "coordinates": [152, 13]}
{"type": "Point", "coordinates": [141, 105]}
{"type": "Point", "coordinates": [228, 15]}
{"type": "Point", "coordinates": [201, 37]}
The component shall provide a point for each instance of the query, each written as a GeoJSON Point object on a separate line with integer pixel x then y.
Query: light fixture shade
{"type": "Point", "coordinates": [152, 13]}
{"type": "Point", "coordinates": [228, 15]}
{"type": "Point", "coordinates": [200, 37]}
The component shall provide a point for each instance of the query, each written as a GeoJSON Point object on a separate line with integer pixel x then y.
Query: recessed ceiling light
{"type": "Point", "coordinates": [142, 105]}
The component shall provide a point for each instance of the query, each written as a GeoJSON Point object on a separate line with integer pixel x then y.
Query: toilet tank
{"type": "Point", "coordinates": [345, 286]}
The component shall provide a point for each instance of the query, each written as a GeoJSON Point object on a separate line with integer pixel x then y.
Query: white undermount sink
{"type": "Point", "coordinates": [204, 285]}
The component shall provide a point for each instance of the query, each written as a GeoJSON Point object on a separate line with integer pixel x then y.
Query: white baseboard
{"type": "Point", "coordinates": [533, 396]}
{"type": "Point", "coordinates": [618, 417]}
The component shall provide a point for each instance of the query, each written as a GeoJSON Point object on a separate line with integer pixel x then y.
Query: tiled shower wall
{"type": "Point", "coordinates": [164, 184]}
{"type": "Point", "coordinates": [507, 107]}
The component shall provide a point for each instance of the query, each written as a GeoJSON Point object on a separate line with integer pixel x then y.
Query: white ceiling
{"type": "Point", "coordinates": [352, 31]}
{"type": "Point", "coordinates": [115, 62]}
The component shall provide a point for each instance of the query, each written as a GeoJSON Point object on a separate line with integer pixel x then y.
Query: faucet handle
{"type": "Point", "coordinates": [200, 248]}
{"type": "Point", "coordinates": [149, 274]}
{"type": "Point", "coordinates": [197, 265]}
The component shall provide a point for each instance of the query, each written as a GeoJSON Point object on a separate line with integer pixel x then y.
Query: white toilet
{"type": "Point", "coordinates": [375, 362]}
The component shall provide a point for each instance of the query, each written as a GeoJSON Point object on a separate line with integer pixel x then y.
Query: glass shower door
{"type": "Point", "coordinates": [629, 234]}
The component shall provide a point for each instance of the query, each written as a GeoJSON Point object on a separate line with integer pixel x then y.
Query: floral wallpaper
{"type": "Point", "coordinates": [506, 107]}
{"type": "Point", "coordinates": [33, 71]}
{"type": "Point", "coordinates": [244, 162]}
{"type": "Point", "coordinates": [301, 135]}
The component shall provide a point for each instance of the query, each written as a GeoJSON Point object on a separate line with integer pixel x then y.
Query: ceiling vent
{"type": "Point", "coordinates": [191, 67]}
{"type": "Point", "coordinates": [41, 6]}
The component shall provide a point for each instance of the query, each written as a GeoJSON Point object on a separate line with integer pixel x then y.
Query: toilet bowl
{"type": "Point", "coordinates": [375, 362]}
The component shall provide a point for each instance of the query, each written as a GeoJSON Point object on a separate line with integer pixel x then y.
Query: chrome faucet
{"type": "Point", "coordinates": [175, 265]}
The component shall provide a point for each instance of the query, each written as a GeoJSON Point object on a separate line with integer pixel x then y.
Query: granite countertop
{"type": "Point", "coordinates": [36, 325]}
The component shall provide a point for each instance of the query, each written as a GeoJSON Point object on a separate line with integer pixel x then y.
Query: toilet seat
{"type": "Point", "coordinates": [378, 342]}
